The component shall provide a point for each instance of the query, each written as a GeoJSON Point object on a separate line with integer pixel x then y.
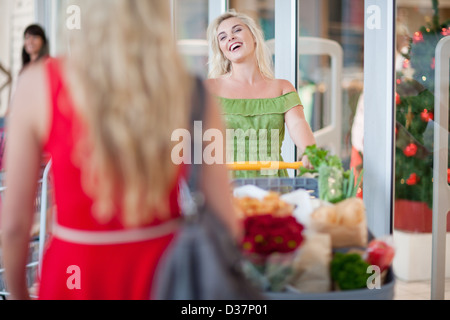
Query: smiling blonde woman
{"type": "Point", "coordinates": [252, 100]}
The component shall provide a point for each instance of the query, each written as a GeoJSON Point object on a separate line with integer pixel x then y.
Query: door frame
{"type": "Point", "coordinates": [379, 114]}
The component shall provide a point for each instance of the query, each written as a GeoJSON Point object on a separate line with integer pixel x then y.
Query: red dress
{"type": "Point", "coordinates": [85, 271]}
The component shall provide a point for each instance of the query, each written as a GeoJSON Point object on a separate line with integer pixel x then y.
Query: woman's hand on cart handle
{"type": "Point", "coordinates": [307, 164]}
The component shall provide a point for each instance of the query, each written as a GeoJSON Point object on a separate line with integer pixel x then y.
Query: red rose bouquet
{"type": "Point", "coordinates": [272, 235]}
{"type": "Point", "coordinates": [267, 234]}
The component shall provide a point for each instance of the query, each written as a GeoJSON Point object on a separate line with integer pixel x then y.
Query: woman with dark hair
{"type": "Point", "coordinates": [35, 45]}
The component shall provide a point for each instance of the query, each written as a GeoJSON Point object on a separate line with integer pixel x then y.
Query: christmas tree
{"type": "Point", "coordinates": [415, 114]}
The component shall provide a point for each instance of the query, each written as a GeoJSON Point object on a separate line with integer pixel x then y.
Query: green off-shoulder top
{"type": "Point", "coordinates": [256, 130]}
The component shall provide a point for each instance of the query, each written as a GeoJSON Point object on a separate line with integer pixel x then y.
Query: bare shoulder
{"type": "Point", "coordinates": [210, 84]}
{"type": "Point", "coordinates": [30, 99]}
{"type": "Point", "coordinates": [31, 84]}
{"type": "Point", "coordinates": [285, 86]}
{"type": "Point", "coordinates": [32, 72]}
{"type": "Point", "coordinates": [214, 85]}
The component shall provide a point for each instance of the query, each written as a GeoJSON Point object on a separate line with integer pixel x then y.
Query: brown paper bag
{"type": "Point", "coordinates": [345, 222]}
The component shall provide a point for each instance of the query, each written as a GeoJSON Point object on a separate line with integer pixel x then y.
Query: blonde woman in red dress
{"type": "Point", "coordinates": [106, 114]}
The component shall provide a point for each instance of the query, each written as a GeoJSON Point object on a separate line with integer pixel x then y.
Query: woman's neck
{"type": "Point", "coordinates": [247, 72]}
{"type": "Point", "coordinates": [34, 57]}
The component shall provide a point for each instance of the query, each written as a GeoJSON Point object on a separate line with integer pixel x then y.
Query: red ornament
{"type": "Point", "coordinates": [398, 100]}
{"type": "Point", "coordinates": [445, 32]}
{"type": "Point", "coordinates": [406, 64]}
{"type": "Point", "coordinates": [410, 150]}
{"type": "Point", "coordinates": [448, 176]}
{"type": "Point", "coordinates": [418, 37]}
{"type": "Point", "coordinates": [426, 116]}
{"type": "Point", "coordinates": [412, 180]}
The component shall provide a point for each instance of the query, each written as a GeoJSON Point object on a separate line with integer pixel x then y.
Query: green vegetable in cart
{"type": "Point", "coordinates": [350, 188]}
{"type": "Point", "coordinates": [335, 184]}
{"type": "Point", "coordinates": [349, 271]}
{"type": "Point", "coordinates": [330, 184]}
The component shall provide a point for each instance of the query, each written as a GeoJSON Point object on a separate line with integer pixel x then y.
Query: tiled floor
{"type": "Point", "coordinates": [420, 290]}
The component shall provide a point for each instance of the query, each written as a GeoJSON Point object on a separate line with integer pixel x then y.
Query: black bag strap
{"type": "Point", "coordinates": [197, 118]}
{"type": "Point", "coordinates": [191, 193]}
{"type": "Point", "coordinates": [198, 103]}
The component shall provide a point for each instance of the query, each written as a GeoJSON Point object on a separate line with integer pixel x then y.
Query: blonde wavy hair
{"type": "Point", "coordinates": [131, 91]}
{"type": "Point", "coordinates": [220, 65]}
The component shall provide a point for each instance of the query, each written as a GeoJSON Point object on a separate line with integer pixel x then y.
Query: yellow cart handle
{"type": "Point", "coordinates": [257, 166]}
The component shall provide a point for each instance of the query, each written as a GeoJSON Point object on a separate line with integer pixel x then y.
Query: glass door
{"type": "Point", "coordinates": [421, 135]}
{"type": "Point", "coordinates": [420, 27]}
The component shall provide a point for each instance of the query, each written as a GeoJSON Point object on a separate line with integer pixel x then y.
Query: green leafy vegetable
{"type": "Point", "coordinates": [318, 157]}
{"type": "Point", "coordinates": [335, 184]}
{"type": "Point", "coordinates": [349, 271]}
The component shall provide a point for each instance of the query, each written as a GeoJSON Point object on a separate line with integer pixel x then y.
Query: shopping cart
{"type": "Point", "coordinates": [288, 185]}
{"type": "Point", "coordinates": [43, 203]}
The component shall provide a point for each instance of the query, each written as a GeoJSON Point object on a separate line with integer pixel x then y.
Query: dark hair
{"type": "Point", "coordinates": [35, 30]}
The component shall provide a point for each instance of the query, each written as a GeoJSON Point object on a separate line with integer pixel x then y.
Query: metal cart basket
{"type": "Point", "coordinates": [282, 185]}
